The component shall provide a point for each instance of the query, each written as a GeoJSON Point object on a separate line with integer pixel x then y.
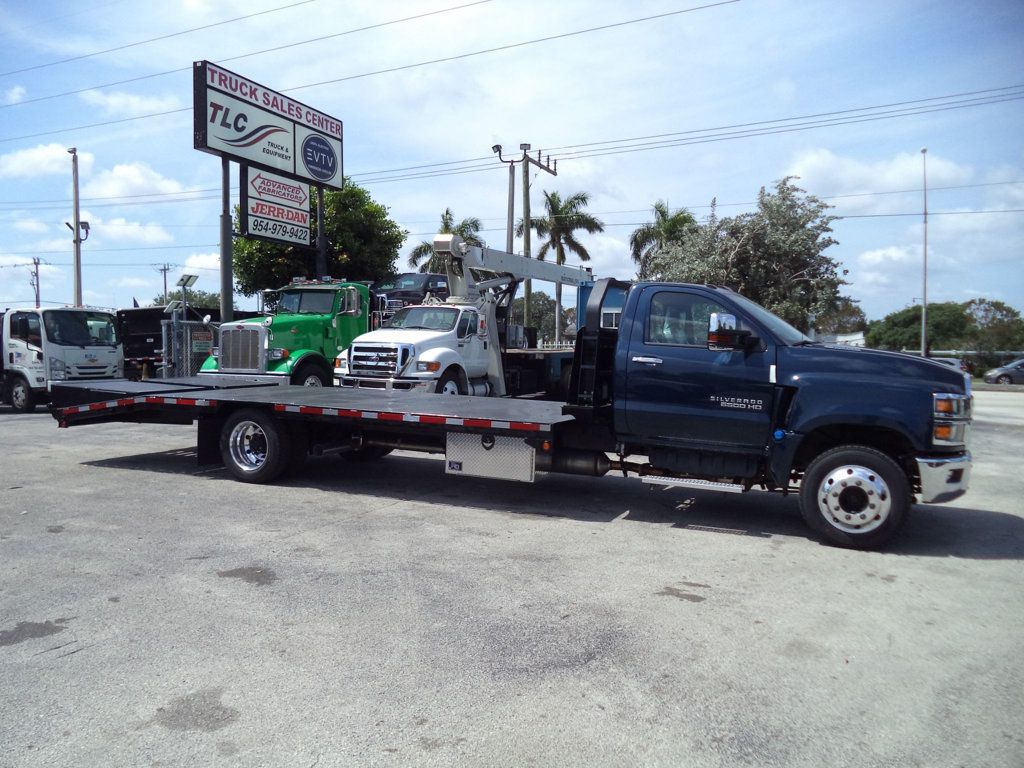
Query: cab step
{"type": "Point", "coordinates": [688, 482]}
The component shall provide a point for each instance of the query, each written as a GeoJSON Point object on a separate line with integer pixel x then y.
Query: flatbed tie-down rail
{"type": "Point", "coordinates": [126, 402]}
{"type": "Point", "coordinates": [412, 418]}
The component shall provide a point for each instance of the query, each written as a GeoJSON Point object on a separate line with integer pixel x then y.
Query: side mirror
{"type": "Point", "coordinates": [723, 335]}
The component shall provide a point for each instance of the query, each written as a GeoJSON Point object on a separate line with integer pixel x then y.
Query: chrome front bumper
{"type": "Point", "coordinates": [944, 478]}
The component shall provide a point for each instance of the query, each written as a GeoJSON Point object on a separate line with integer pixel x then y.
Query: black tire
{"type": "Point", "coordinates": [1004, 379]}
{"type": "Point", "coordinates": [367, 453]}
{"type": "Point", "coordinates": [312, 375]}
{"type": "Point", "coordinates": [855, 496]}
{"type": "Point", "coordinates": [254, 447]}
{"type": "Point", "coordinates": [450, 381]}
{"type": "Point", "coordinates": [22, 398]}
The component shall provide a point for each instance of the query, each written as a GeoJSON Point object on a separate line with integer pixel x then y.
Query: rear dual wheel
{"type": "Point", "coordinates": [256, 448]}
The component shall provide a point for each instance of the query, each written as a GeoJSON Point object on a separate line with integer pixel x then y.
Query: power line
{"type": "Point", "coordinates": [154, 39]}
{"type": "Point", "coordinates": [248, 55]}
{"type": "Point", "coordinates": [400, 68]}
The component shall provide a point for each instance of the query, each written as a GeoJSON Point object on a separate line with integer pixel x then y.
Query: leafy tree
{"type": "Point", "coordinates": [203, 299]}
{"type": "Point", "coordinates": [774, 256]}
{"type": "Point", "coordinates": [363, 244]}
{"type": "Point", "coordinates": [668, 227]}
{"type": "Point", "coordinates": [542, 314]}
{"type": "Point", "coordinates": [845, 317]}
{"type": "Point", "coordinates": [562, 220]}
{"type": "Point", "coordinates": [949, 326]}
{"type": "Point", "coordinates": [996, 326]}
{"type": "Point", "coordinates": [467, 229]}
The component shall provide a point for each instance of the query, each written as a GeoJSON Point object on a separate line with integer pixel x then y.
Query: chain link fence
{"type": "Point", "coordinates": [187, 344]}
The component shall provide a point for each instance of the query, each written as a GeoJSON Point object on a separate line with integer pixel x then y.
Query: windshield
{"type": "Point", "coordinates": [80, 328]}
{"type": "Point", "coordinates": [427, 318]}
{"type": "Point", "coordinates": [410, 282]}
{"type": "Point", "coordinates": [306, 302]}
{"type": "Point", "coordinates": [782, 330]}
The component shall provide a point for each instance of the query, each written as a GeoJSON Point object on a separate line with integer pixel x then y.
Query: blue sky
{"type": "Point", "coordinates": [951, 71]}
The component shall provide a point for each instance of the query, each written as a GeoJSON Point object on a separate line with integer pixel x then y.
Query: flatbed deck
{"type": "Point", "coordinates": [181, 400]}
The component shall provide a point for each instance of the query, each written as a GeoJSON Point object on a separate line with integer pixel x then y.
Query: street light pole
{"type": "Point", "coordinates": [511, 195]}
{"type": "Point", "coordinates": [924, 287]}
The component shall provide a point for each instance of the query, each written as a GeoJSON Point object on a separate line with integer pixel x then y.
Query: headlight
{"type": "Point", "coordinates": [341, 361]}
{"type": "Point", "coordinates": [428, 367]}
{"type": "Point", "coordinates": [277, 354]}
{"type": "Point", "coordinates": [58, 370]}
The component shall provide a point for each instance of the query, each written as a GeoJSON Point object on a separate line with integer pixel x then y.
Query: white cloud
{"type": "Point", "coordinates": [31, 226]}
{"type": "Point", "coordinates": [119, 104]}
{"type": "Point", "coordinates": [204, 261]}
{"type": "Point", "coordinates": [120, 229]}
{"type": "Point", "coordinates": [833, 176]}
{"type": "Point", "coordinates": [133, 282]}
{"type": "Point", "coordinates": [130, 179]}
{"type": "Point", "coordinates": [45, 159]}
{"type": "Point", "coordinates": [13, 95]}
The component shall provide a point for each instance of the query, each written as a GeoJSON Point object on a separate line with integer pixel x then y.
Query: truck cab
{"type": "Point", "coordinates": [309, 322]}
{"type": "Point", "coordinates": [45, 345]}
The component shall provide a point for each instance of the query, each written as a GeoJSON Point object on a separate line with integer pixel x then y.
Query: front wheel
{"type": "Point", "coordinates": [855, 496]}
{"type": "Point", "coordinates": [1004, 379]}
{"type": "Point", "coordinates": [22, 399]}
{"type": "Point", "coordinates": [254, 447]}
{"type": "Point", "coordinates": [450, 384]}
{"type": "Point", "coordinates": [310, 375]}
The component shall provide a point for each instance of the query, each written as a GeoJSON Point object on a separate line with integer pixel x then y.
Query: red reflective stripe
{"type": "Point", "coordinates": [154, 400]}
{"type": "Point", "coordinates": [480, 423]}
{"type": "Point", "coordinates": [348, 414]}
{"type": "Point", "coordinates": [390, 416]}
{"type": "Point", "coordinates": [186, 401]}
{"type": "Point", "coordinates": [529, 426]}
{"type": "Point", "coordinates": [311, 410]}
{"type": "Point", "coordinates": [279, 407]}
{"type": "Point", "coordinates": [126, 401]}
{"type": "Point", "coordinates": [432, 419]}
{"type": "Point", "coordinates": [97, 406]}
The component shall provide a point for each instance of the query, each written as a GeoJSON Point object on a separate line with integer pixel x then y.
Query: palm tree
{"type": "Point", "coordinates": [466, 229]}
{"type": "Point", "coordinates": [668, 227]}
{"type": "Point", "coordinates": [559, 226]}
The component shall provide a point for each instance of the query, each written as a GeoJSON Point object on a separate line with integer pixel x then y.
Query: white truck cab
{"type": "Point", "coordinates": [439, 347]}
{"type": "Point", "coordinates": [45, 345]}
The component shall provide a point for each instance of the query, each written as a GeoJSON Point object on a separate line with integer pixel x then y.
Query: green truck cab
{"type": "Point", "coordinates": [310, 322]}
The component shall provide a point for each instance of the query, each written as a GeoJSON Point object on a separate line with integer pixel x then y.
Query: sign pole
{"type": "Point", "coordinates": [321, 235]}
{"type": "Point", "coordinates": [226, 267]}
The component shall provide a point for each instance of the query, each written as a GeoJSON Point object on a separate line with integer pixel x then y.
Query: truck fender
{"type": "Point", "coordinates": [446, 357]}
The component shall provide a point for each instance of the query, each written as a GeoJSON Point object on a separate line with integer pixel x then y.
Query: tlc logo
{"type": "Point", "coordinates": [219, 110]}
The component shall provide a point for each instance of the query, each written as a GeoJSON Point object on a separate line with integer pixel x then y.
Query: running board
{"type": "Point", "coordinates": [687, 482]}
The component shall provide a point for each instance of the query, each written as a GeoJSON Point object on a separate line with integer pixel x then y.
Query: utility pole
{"type": "Point", "coordinates": [527, 161]}
{"type": "Point", "coordinates": [511, 195]}
{"type": "Point", "coordinates": [34, 280]}
{"type": "Point", "coordinates": [78, 228]}
{"type": "Point", "coordinates": [924, 287]}
{"type": "Point", "coordinates": [165, 269]}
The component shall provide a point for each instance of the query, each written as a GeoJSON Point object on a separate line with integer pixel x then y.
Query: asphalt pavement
{"type": "Point", "coordinates": [156, 614]}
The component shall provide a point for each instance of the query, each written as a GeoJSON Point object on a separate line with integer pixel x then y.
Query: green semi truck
{"type": "Point", "coordinates": [309, 323]}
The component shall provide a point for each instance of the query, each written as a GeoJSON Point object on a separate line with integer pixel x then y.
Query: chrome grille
{"type": "Point", "coordinates": [376, 360]}
{"type": "Point", "coordinates": [242, 349]}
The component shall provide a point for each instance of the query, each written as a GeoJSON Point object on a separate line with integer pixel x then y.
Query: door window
{"type": "Point", "coordinates": [25, 327]}
{"type": "Point", "coordinates": [467, 324]}
{"type": "Point", "coordinates": [680, 319]}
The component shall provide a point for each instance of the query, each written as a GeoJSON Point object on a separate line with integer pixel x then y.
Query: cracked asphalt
{"type": "Point", "coordinates": [156, 614]}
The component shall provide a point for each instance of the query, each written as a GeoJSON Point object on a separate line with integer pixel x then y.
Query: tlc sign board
{"type": "Point", "coordinates": [275, 207]}
{"type": "Point", "coordinates": [237, 118]}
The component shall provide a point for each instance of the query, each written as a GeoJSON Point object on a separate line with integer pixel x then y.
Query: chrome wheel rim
{"type": "Point", "coordinates": [312, 381]}
{"type": "Point", "coordinates": [248, 444]}
{"type": "Point", "coordinates": [19, 396]}
{"type": "Point", "coordinates": [854, 499]}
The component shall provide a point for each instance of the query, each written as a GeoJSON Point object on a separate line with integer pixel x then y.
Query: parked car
{"type": "Point", "coordinates": [1011, 373]}
{"type": "Point", "coordinates": [953, 362]}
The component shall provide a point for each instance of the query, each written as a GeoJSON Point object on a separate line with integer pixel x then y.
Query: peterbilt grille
{"type": "Point", "coordinates": [241, 349]}
{"type": "Point", "coordinates": [377, 360]}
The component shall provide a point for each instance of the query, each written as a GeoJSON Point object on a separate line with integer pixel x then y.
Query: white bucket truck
{"type": "Point", "coordinates": [455, 346]}
{"type": "Point", "coordinates": [61, 344]}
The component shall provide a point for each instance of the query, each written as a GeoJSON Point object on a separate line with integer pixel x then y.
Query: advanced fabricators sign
{"type": "Point", "coordinates": [274, 207]}
{"type": "Point", "coordinates": [240, 119]}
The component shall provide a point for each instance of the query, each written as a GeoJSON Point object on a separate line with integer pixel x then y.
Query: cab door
{"type": "Point", "coordinates": [471, 343]}
{"type": "Point", "coordinates": [24, 349]}
{"type": "Point", "coordinates": [678, 392]}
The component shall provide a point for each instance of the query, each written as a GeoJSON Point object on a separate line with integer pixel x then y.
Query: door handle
{"type": "Point", "coordinates": [647, 360]}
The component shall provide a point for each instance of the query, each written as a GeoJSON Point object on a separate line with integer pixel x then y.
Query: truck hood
{"type": "Point", "coordinates": [402, 336]}
{"type": "Point", "coordinates": [844, 362]}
